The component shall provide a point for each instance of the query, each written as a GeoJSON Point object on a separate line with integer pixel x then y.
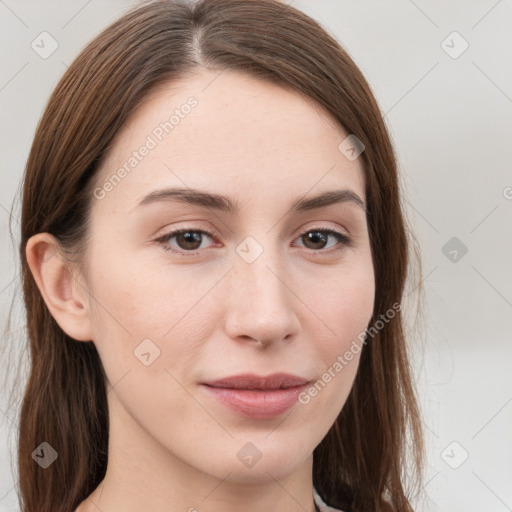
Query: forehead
{"type": "Point", "coordinates": [227, 131]}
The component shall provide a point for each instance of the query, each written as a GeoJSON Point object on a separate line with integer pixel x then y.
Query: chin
{"type": "Point", "coordinates": [261, 462]}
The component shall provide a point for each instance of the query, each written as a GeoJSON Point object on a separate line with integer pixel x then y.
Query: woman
{"type": "Point", "coordinates": [214, 258]}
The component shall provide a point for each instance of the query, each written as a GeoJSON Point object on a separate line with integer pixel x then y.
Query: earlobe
{"type": "Point", "coordinates": [65, 297]}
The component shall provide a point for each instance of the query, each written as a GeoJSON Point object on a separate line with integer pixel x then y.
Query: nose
{"type": "Point", "coordinates": [261, 305]}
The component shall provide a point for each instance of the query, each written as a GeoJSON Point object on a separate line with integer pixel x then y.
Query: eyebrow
{"type": "Point", "coordinates": [225, 204]}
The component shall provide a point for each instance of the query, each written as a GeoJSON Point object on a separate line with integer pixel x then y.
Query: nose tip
{"type": "Point", "coordinates": [261, 308]}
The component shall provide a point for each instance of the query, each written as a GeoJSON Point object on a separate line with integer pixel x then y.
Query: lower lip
{"type": "Point", "coordinates": [255, 403]}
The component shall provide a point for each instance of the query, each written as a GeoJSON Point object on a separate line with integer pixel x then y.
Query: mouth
{"type": "Point", "coordinates": [257, 397]}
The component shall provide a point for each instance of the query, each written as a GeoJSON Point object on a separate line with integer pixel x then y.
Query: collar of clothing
{"type": "Point", "coordinates": [320, 504]}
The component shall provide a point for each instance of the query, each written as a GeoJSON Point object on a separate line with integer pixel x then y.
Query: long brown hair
{"type": "Point", "coordinates": [360, 464]}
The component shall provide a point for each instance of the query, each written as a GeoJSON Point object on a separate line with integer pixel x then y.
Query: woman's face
{"type": "Point", "coordinates": [255, 286]}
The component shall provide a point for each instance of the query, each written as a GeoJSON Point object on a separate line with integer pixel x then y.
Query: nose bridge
{"type": "Point", "coordinates": [261, 277]}
{"type": "Point", "coordinates": [261, 304]}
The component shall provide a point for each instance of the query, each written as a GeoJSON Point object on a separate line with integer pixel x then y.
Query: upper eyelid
{"type": "Point", "coordinates": [214, 232]}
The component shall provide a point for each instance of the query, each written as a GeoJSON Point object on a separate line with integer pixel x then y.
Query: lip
{"type": "Point", "coordinates": [257, 397]}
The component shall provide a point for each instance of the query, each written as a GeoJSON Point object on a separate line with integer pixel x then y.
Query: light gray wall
{"type": "Point", "coordinates": [449, 114]}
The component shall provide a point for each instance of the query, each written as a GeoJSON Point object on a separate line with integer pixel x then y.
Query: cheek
{"type": "Point", "coordinates": [345, 305]}
{"type": "Point", "coordinates": [132, 301]}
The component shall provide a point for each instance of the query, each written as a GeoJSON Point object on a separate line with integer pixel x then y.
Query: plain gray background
{"type": "Point", "coordinates": [448, 109]}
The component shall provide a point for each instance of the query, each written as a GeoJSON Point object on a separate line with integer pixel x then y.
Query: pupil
{"type": "Point", "coordinates": [191, 237]}
{"type": "Point", "coordinates": [315, 236]}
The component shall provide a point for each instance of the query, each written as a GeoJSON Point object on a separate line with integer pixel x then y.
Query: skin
{"type": "Point", "coordinates": [295, 308]}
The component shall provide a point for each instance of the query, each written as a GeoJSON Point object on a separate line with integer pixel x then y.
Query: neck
{"type": "Point", "coordinates": [143, 475]}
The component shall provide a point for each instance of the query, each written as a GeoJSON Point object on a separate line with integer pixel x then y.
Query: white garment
{"type": "Point", "coordinates": [321, 505]}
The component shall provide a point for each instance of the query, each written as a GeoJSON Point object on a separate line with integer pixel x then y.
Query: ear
{"type": "Point", "coordinates": [65, 297]}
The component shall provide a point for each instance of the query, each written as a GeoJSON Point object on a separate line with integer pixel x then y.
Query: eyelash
{"type": "Point", "coordinates": [341, 238]}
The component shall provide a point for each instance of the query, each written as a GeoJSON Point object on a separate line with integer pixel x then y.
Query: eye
{"type": "Point", "coordinates": [318, 238]}
{"type": "Point", "coordinates": [188, 240]}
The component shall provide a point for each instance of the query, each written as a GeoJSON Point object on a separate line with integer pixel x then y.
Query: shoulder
{"type": "Point", "coordinates": [322, 506]}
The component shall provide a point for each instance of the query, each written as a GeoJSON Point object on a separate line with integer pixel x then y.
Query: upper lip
{"type": "Point", "coordinates": [258, 382]}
